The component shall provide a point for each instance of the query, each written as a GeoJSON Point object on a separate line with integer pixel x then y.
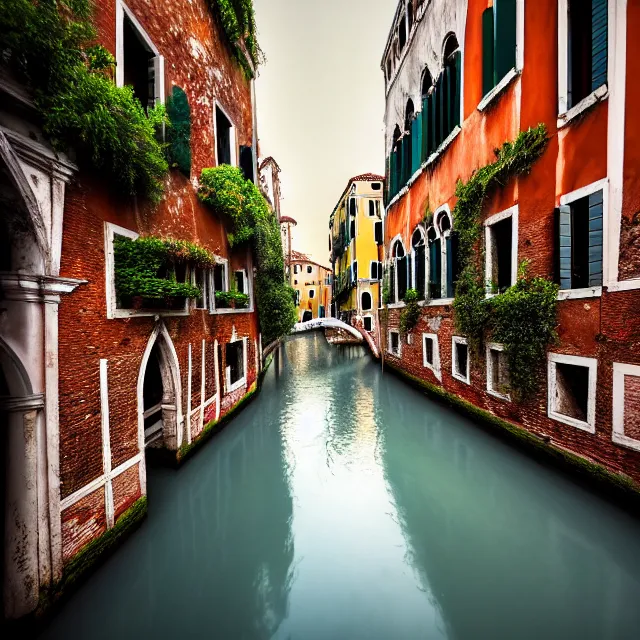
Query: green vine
{"type": "Point", "coordinates": [232, 298]}
{"type": "Point", "coordinates": [179, 132]}
{"type": "Point", "coordinates": [146, 267]}
{"type": "Point", "coordinates": [49, 45]}
{"type": "Point", "coordinates": [226, 191]}
{"type": "Point", "coordinates": [386, 288]}
{"type": "Point", "coordinates": [411, 313]}
{"type": "Point", "coordinates": [524, 318]}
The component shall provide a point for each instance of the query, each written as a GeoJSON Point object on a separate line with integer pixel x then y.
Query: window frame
{"type": "Point", "coordinates": [568, 199]}
{"type": "Point", "coordinates": [311, 293]}
{"type": "Point", "coordinates": [456, 340]}
{"type": "Point", "coordinates": [439, 302]}
{"type": "Point", "coordinates": [513, 213]}
{"type": "Point", "coordinates": [435, 367]}
{"type": "Point", "coordinates": [494, 346]}
{"type": "Point", "coordinates": [233, 135]}
{"type": "Point", "coordinates": [396, 304]}
{"type": "Point", "coordinates": [242, 382]}
{"type": "Point", "coordinates": [620, 372]}
{"type": "Point", "coordinates": [412, 271]}
{"type": "Point", "coordinates": [399, 352]}
{"type": "Point", "coordinates": [368, 316]}
{"type": "Point", "coordinates": [592, 365]}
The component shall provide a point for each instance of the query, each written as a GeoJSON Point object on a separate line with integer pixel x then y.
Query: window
{"type": "Point", "coordinates": [435, 264]}
{"type": "Point", "coordinates": [583, 43]}
{"type": "Point", "coordinates": [376, 186]}
{"type": "Point", "coordinates": [368, 323]}
{"type": "Point", "coordinates": [366, 301]}
{"type": "Point", "coordinates": [626, 405]}
{"type": "Point", "coordinates": [402, 34]}
{"type": "Point", "coordinates": [296, 268]}
{"type": "Point", "coordinates": [394, 343]}
{"type": "Point", "coordinates": [376, 270]}
{"type": "Point", "coordinates": [579, 224]}
{"type": "Point", "coordinates": [497, 372]}
{"type": "Point", "coordinates": [295, 282]}
{"type": "Point", "coordinates": [499, 25]}
{"type": "Point", "coordinates": [572, 390]}
{"type": "Point", "coordinates": [372, 208]}
{"type": "Point", "coordinates": [354, 271]}
{"type": "Point", "coordinates": [460, 359]}
{"type": "Point", "coordinates": [398, 275]}
{"type": "Point", "coordinates": [378, 233]}
{"type": "Point", "coordinates": [431, 354]}
{"type": "Point", "coordinates": [235, 359]}
{"type": "Point", "coordinates": [201, 278]}
{"type": "Point", "coordinates": [220, 285]}
{"type": "Point", "coordinates": [246, 163]}
{"type": "Point", "coordinates": [309, 269]}
{"type": "Point", "coordinates": [241, 281]}
{"type": "Point", "coordinates": [419, 263]}
{"type": "Point", "coordinates": [501, 236]}
{"type": "Point", "coordinates": [312, 294]}
{"type": "Point", "coordinates": [443, 257]}
{"type": "Point", "coordinates": [225, 134]}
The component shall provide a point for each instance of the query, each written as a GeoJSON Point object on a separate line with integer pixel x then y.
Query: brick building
{"type": "Point", "coordinates": [90, 380]}
{"type": "Point", "coordinates": [461, 79]}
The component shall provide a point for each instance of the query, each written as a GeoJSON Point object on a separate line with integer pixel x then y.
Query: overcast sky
{"type": "Point", "coordinates": [320, 103]}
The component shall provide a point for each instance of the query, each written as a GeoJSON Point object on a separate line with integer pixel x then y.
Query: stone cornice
{"type": "Point", "coordinates": [33, 288]}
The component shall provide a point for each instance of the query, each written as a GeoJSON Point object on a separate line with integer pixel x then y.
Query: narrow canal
{"type": "Point", "coordinates": [343, 504]}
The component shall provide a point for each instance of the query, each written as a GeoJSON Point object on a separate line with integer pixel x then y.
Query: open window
{"type": "Point", "coordinates": [220, 284]}
{"type": "Point", "coordinates": [626, 405]}
{"type": "Point", "coordinates": [579, 224]}
{"type": "Point", "coordinates": [431, 353]}
{"type": "Point", "coordinates": [460, 359]}
{"type": "Point", "coordinates": [497, 372]}
{"type": "Point", "coordinates": [395, 347]}
{"type": "Point", "coordinates": [235, 360]}
{"type": "Point", "coordinates": [435, 264]}
{"type": "Point", "coordinates": [366, 301]}
{"type": "Point", "coordinates": [501, 236]}
{"type": "Point", "coordinates": [225, 134]}
{"type": "Point", "coordinates": [572, 390]}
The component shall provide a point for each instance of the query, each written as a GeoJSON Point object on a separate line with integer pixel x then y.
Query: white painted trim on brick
{"type": "Point", "coordinates": [494, 346]}
{"type": "Point", "coordinates": [620, 372]}
{"type": "Point", "coordinates": [393, 353]}
{"type": "Point", "coordinates": [455, 340]}
{"type": "Point", "coordinates": [216, 367]}
{"type": "Point", "coordinates": [513, 213]}
{"type": "Point", "coordinates": [589, 363]}
{"type": "Point", "coordinates": [243, 381]}
{"type": "Point", "coordinates": [625, 285]}
{"type": "Point", "coordinates": [579, 294]}
{"type": "Point", "coordinates": [587, 190]}
{"type": "Point", "coordinates": [106, 443]}
{"type": "Point", "coordinates": [435, 367]}
{"type": "Point", "coordinates": [233, 136]}
{"type": "Point", "coordinates": [189, 374]}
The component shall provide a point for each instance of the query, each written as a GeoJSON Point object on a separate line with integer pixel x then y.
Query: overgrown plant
{"type": "Point", "coordinates": [232, 298]}
{"type": "Point", "coordinates": [228, 193]}
{"type": "Point", "coordinates": [179, 131]}
{"type": "Point", "coordinates": [411, 313]}
{"type": "Point", "coordinates": [524, 318]}
{"type": "Point", "coordinates": [50, 46]}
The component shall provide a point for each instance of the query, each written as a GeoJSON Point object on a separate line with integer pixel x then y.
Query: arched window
{"type": "Point", "coordinates": [398, 275]}
{"type": "Point", "coordinates": [397, 134]}
{"type": "Point", "coordinates": [409, 112]}
{"type": "Point", "coordinates": [443, 257]}
{"type": "Point", "coordinates": [427, 83]}
{"type": "Point", "coordinates": [367, 301]}
{"type": "Point", "coordinates": [418, 263]}
{"type": "Point", "coordinates": [450, 47]}
{"type": "Point", "coordinates": [435, 264]}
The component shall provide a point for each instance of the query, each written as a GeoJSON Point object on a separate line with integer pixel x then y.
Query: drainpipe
{"type": "Point", "coordinates": [254, 141]}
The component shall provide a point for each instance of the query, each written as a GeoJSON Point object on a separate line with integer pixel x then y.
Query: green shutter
{"type": "Point", "coordinates": [424, 116]}
{"type": "Point", "coordinates": [406, 153]}
{"type": "Point", "coordinates": [487, 51]}
{"type": "Point", "coordinates": [392, 175]}
{"type": "Point", "coordinates": [595, 239]}
{"type": "Point", "coordinates": [599, 43]}
{"type": "Point", "coordinates": [458, 89]}
{"type": "Point", "coordinates": [401, 167]}
{"type": "Point", "coordinates": [450, 267]}
{"type": "Point", "coordinates": [504, 37]}
{"type": "Point", "coordinates": [441, 109]}
{"type": "Point", "coordinates": [564, 246]}
{"type": "Point", "coordinates": [416, 143]}
{"type": "Point", "coordinates": [449, 99]}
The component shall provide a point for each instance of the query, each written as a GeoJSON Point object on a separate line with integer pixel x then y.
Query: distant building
{"type": "Point", "coordinates": [312, 284]}
{"type": "Point", "coordinates": [355, 240]}
{"type": "Point", "coordinates": [269, 173]}
{"type": "Point", "coordinates": [286, 232]}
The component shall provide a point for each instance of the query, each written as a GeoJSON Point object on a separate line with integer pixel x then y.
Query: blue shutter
{"type": "Point", "coordinates": [564, 245]}
{"type": "Point", "coordinates": [599, 43]}
{"type": "Point", "coordinates": [595, 239]}
{"type": "Point", "coordinates": [425, 152]}
{"type": "Point", "coordinates": [416, 143]}
{"type": "Point", "coordinates": [488, 45]}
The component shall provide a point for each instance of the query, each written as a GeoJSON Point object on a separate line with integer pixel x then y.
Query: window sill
{"type": "Point", "coordinates": [500, 396]}
{"type": "Point", "coordinates": [120, 314]}
{"type": "Point", "coordinates": [457, 376]}
{"type": "Point", "coordinates": [396, 305]}
{"type": "Point", "coordinates": [395, 354]}
{"type": "Point", "coordinates": [577, 294]}
{"type": "Point", "coordinates": [439, 302]}
{"type": "Point", "coordinates": [498, 89]}
{"type": "Point", "coordinates": [436, 372]}
{"type": "Point", "coordinates": [599, 95]}
{"type": "Point", "coordinates": [572, 422]}
{"type": "Point", "coordinates": [221, 312]}
{"type": "Point", "coordinates": [624, 285]}
{"type": "Point", "coordinates": [237, 385]}
{"type": "Point", "coordinates": [625, 441]}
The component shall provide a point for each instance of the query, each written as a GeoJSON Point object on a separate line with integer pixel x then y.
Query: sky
{"type": "Point", "coordinates": [320, 103]}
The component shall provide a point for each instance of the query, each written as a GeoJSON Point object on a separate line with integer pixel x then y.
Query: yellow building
{"type": "Point", "coordinates": [355, 242]}
{"type": "Point", "coordinates": [312, 284]}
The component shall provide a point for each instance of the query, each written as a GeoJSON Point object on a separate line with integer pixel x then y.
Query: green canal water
{"type": "Point", "coordinates": [343, 504]}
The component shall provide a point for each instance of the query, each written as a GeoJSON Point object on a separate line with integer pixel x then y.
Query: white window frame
{"type": "Point", "coordinates": [111, 230]}
{"type": "Point", "coordinates": [568, 199]}
{"type": "Point", "coordinates": [399, 352]}
{"type": "Point", "coordinates": [513, 213]}
{"type": "Point", "coordinates": [592, 365]}
{"type": "Point", "coordinates": [233, 135]}
{"type": "Point", "coordinates": [439, 302]}
{"type": "Point", "coordinates": [494, 346]}
{"type": "Point", "coordinates": [373, 322]}
{"type": "Point", "coordinates": [566, 115]}
{"type": "Point", "coordinates": [396, 304]}
{"type": "Point", "coordinates": [456, 340]}
{"type": "Point", "coordinates": [412, 271]}
{"type": "Point", "coordinates": [296, 269]}
{"type": "Point", "coordinates": [360, 307]}
{"type": "Point", "coordinates": [435, 367]}
{"type": "Point", "coordinates": [121, 11]}
{"type": "Point", "coordinates": [206, 294]}
{"type": "Point", "coordinates": [620, 373]}
{"type": "Point", "coordinates": [230, 388]}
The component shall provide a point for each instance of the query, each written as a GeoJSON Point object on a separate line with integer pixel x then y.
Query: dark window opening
{"type": "Point", "coordinates": [139, 66]}
{"type": "Point", "coordinates": [240, 282]}
{"type": "Point", "coordinates": [395, 342]}
{"type": "Point", "coordinates": [368, 324]}
{"type": "Point", "coordinates": [372, 208]}
{"type": "Point", "coordinates": [367, 301]}
{"type": "Point", "coordinates": [419, 264]}
{"type": "Point", "coordinates": [202, 282]}
{"type": "Point", "coordinates": [428, 350]}
{"type": "Point", "coordinates": [435, 265]}
{"type": "Point", "coordinates": [501, 247]}
{"type": "Point", "coordinates": [352, 229]}
{"type": "Point", "coordinates": [462, 359]}
{"type": "Point", "coordinates": [352, 207]}
{"type": "Point", "coordinates": [572, 391]}
{"type": "Point", "coordinates": [246, 162]}
{"type": "Point", "coordinates": [388, 69]}
{"type": "Point", "coordinates": [219, 281]}
{"type": "Point", "coordinates": [499, 381]}
{"type": "Point", "coordinates": [378, 232]}
{"type": "Point", "coordinates": [153, 394]}
{"type": "Point", "coordinates": [402, 34]}
{"type": "Point", "coordinates": [376, 186]}
{"type": "Point", "coordinates": [312, 294]}
{"type": "Point", "coordinates": [450, 47]}
{"type": "Point", "coordinates": [427, 83]}
{"type": "Point", "coordinates": [223, 135]}
{"type": "Point", "coordinates": [234, 358]}
{"type": "Point", "coordinates": [309, 269]}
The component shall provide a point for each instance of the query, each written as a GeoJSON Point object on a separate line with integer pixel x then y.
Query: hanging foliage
{"type": "Point", "coordinates": [179, 132]}
{"type": "Point", "coordinates": [411, 313]}
{"type": "Point", "coordinates": [226, 191]}
{"type": "Point", "coordinates": [49, 45]}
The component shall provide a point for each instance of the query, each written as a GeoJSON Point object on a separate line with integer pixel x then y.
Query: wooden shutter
{"type": "Point", "coordinates": [420, 271]}
{"type": "Point", "coordinates": [392, 282]}
{"type": "Point", "coordinates": [595, 239]}
{"type": "Point", "coordinates": [424, 115]}
{"type": "Point", "coordinates": [406, 152]}
{"type": "Point", "coordinates": [599, 43]}
{"type": "Point", "coordinates": [401, 162]}
{"type": "Point", "coordinates": [416, 143]}
{"type": "Point", "coordinates": [488, 72]}
{"type": "Point", "coordinates": [448, 101]}
{"type": "Point", "coordinates": [402, 265]}
{"type": "Point", "coordinates": [440, 111]}
{"type": "Point", "coordinates": [378, 231]}
{"type": "Point", "coordinates": [450, 268]}
{"type": "Point", "coordinates": [565, 266]}
{"type": "Point", "coordinates": [504, 37]}
{"type": "Point", "coordinates": [457, 78]}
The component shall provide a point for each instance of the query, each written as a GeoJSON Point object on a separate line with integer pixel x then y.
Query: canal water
{"type": "Point", "coordinates": [343, 504]}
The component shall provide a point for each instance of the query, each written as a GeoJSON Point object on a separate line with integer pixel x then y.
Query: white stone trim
{"type": "Point", "coordinates": [625, 285]}
{"type": "Point", "coordinates": [393, 353]}
{"type": "Point", "coordinates": [106, 442]}
{"type": "Point", "coordinates": [233, 137]}
{"type": "Point", "coordinates": [216, 367]}
{"type": "Point", "coordinates": [455, 340]}
{"type": "Point", "coordinates": [435, 367]}
{"type": "Point", "coordinates": [494, 346]}
{"type": "Point", "coordinates": [579, 294]}
{"type": "Point", "coordinates": [242, 382]}
{"type": "Point", "coordinates": [498, 89]}
{"type": "Point", "coordinates": [599, 95]}
{"type": "Point", "coordinates": [589, 363]}
{"type": "Point", "coordinates": [512, 213]}
{"type": "Point", "coordinates": [620, 372]}
{"type": "Point", "coordinates": [189, 374]}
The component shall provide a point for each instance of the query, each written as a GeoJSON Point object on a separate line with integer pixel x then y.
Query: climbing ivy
{"type": "Point", "coordinates": [179, 131]}
{"type": "Point", "coordinates": [229, 194]}
{"type": "Point", "coordinates": [411, 313]}
{"type": "Point", "coordinates": [49, 45]}
{"type": "Point", "coordinates": [524, 318]}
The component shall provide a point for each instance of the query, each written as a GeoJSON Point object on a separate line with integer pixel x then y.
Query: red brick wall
{"type": "Point", "coordinates": [82, 523]}
{"type": "Point", "coordinates": [632, 407]}
{"type": "Point", "coordinates": [126, 490]}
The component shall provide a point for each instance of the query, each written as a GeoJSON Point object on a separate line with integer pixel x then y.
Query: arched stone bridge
{"type": "Point", "coordinates": [333, 323]}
